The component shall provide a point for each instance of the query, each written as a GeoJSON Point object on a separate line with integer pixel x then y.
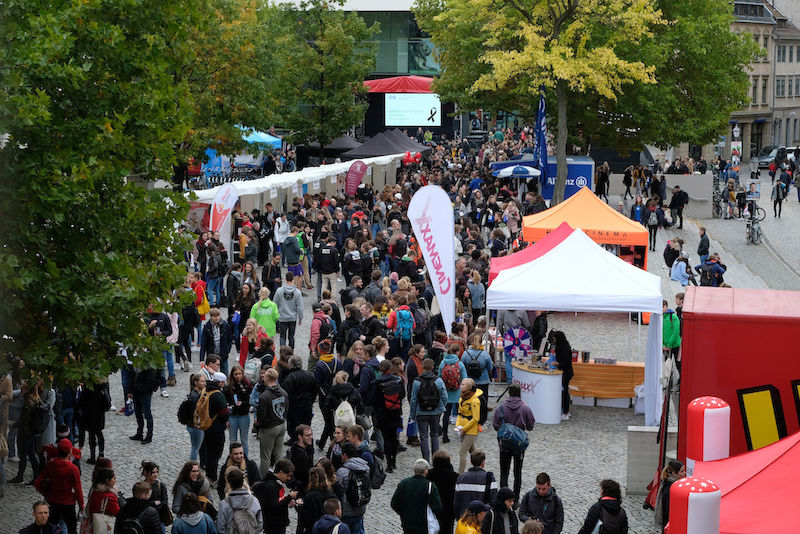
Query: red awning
{"type": "Point", "coordinates": [763, 480]}
{"type": "Point", "coordinates": [530, 253]}
{"type": "Point", "coordinates": [400, 84]}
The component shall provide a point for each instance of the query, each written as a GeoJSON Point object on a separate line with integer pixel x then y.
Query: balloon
{"type": "Point", "coordinates": [418, 157]}
{"type": "Point", "coordinates": [408, 154]}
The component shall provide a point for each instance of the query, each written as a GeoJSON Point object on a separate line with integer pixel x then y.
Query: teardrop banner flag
{"type": "Point", "coordinates": [224, 202]}
{"type": "Point", "coordinates": [354, 176]}
{"type": "Point", "coordinates": [431, 214]}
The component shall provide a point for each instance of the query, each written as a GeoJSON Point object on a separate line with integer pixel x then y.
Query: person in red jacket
{"type": "Point", "coordinates": [103, 498]}
{"type": "Point", "coordinates": [60, 484]}
{"type": "Point", "coordinates": [199, 288]}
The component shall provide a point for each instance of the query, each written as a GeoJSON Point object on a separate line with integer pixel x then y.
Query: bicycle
{"type": "Point", "coordinates": [754, 232]}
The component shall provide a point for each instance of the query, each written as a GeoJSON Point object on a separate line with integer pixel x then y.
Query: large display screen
{"type": "Point", "coordinates": [413, 109]}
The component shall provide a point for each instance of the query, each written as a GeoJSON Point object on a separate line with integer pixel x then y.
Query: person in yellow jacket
{"type": "Point", "coordinates": [472, 518]}
{"type": "Point", "coordinates": [467, 423]}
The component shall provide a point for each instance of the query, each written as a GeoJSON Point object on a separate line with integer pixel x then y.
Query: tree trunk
{"type": "Point", "coordinates": [321, 154]}
{"type": "Point", "coordinates": [561, 144]}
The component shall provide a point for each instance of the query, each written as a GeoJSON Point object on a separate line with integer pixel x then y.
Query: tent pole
{"type": "Point", "coordinates": [639, 332]}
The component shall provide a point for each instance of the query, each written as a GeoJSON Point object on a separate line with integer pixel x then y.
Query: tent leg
{"type": "Point", "coordinates": [639, 332]}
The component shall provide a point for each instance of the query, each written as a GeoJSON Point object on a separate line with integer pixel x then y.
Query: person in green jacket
{"type": "Point", "coordinates": [265, 312]}
{"type": "Point", "coordinates": [671, 332]}
{"type": "Point", "coordinates": [409, 497]}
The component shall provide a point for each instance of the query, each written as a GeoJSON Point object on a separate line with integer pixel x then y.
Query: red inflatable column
{"type": "Point", "coordinates": [694, 505]}
{"type": "Point", "coordinates": [708, 431]}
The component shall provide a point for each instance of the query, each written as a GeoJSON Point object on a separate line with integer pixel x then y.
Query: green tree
{"type": "Point", "coordinates": [88, 97]}
{"type": "Point", "coordinates": [569, 46]}
{"type": "Point", "coordinates": [319, 83]}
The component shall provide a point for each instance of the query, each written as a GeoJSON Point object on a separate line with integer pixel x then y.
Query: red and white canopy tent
{"type": "Point", "coordinates": [400, 84]}
{"type": "Point", "coordinates": [529, 253]}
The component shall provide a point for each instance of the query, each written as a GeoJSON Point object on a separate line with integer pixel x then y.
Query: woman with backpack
{"type": "Point", "coordinates": [191, 480]}
{"type": "Point", "coordinates": [388, 404]}
{"type": "Point", "coordinates": [607, 509]}
{"type": "Point", "coordinates": [198, 384]}
{"type": "Point", "coordinates": [237, 395]}
{"type": "Point", "coordinates": [350, 330]}
{"type": "Point", "coordinates": [479, 367]}
{"type": "Point", "coordinates": [343, 390]}
{"type": "Point", "coordinates": [452, 372]}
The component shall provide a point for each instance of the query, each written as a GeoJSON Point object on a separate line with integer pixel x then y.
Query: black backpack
{"type": "Point", "coordinates": [186, 410]}
{"type": "Point", "coordinates": [473, 366]}
{"type": "Point", "coordinates": [131, 525]}
{"type": "Point", "coordinates": [40, 417]}
{"type": "Point", "coordinates": [707, 274]}
{"type": "Point", "coordinates": [391, 390]}
{"type": "Point", "coordinates": [613, 524]}
{"type": "Point", "coordinates": [353, 335]}
{"type": "Point", "coordinates": [428, 396]}
{"type": "Point", "coordinates": [359, 491]}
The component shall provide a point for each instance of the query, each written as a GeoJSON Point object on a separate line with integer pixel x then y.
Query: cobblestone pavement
{"type": "Point", "coordinates": [577, 454]}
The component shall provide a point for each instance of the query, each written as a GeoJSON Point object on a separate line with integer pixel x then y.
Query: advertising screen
{"type": "Point", "coordinates": [413, 109]}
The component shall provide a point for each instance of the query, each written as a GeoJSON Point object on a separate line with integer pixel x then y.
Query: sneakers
{"type": "Point", "coordinates": [112, 409]}
{"type": "Point", "coordinates": [187, 366]}
{"type": "Point", "coordinates": [148, 439]}
{"type": "Point", "coordinates": [171, 381]}
{"type": "Point", "coordinates": [453, 419]}
{"type": "Point", "coordinates": [565, 417]}
{"type": "Point", "coordinates": [164, 393]}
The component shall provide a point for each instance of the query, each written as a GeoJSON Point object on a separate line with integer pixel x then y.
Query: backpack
{"type": "Point", "coordinates": [202, 418]}
{"type": "Point", "coordinates": [652, 220]}
{"type": "Point", "coordinates": [428, 396]}
{"type": "Point", "coordinates": [327, 330]}
{"type": "Point", "coordinates": [353, 335]}
{"type": "Point", "coordinates": [460, 344]}
{"type": "Point", "coordinates": [405, 325]}
{"type": "Point", "coordinates": [706, 275]}
{"type": "Point", "coordinates": [243, 520]}
{"type": "Point", "coordinates": [483, 411]}
{"type": "Point", "coordinates": [511, 437]}
{"type": "Point", "coordinates": [132, 525]}
{"type": "Point", "coordinates": [420, 321]}
{"type": "Point", "coordinates": [474, 366]}
{"type": "Point", "coordinates": [186, 411]}
{"type": "Point", "coordinates": [359, 490]}
{"type": "Point", "coordinates": [612, 524]}
{"type": "Point", "coordinates": [391, 390]}
{"type": "Point", "coordinates": [451, 376]}
{"type": "Point", "coordinates": [378, 476]}
{"type": "Point", "coordinates": [344, 415]}
{"type": "Point", "coordinates": [252, 367]}
{"type": "Point", "coordinates": [40, 417]}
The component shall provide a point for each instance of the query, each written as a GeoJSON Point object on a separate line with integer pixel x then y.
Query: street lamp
{"type": "Point", "coordinates": [736, 132]}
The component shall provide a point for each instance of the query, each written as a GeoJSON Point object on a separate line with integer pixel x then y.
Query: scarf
{"type": "Point", "coordinates": [327, 358]}
{"type": "Point", "coordinates": [241, 466]}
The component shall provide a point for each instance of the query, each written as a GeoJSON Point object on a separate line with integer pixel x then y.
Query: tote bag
{"type": "Point", "coordinates": [433, 523]}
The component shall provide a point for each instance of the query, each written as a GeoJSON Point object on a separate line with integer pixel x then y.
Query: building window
{"type": "Point", "coordinates": [797, 86]}
{"type": "Point", "coordinates": [755, 90]}
{"type": "Point", "coordinates": [766, 48]}
{"type": "Point", "coordinates": [780, 87]}
{"type": "Point", "coordinates": [763, 90]}
{"type": "Point", "coordinates": [791, 50]}
{"type": "Point", "coordinates": [781, 56]}
{"type": "Point", "coordinates": [790, 84]}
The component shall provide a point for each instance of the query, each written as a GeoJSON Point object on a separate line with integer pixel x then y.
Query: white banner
{"type": "Point", "coordinates": [431, 214]}
{"type": "Point", "coordinates": [224, 202]}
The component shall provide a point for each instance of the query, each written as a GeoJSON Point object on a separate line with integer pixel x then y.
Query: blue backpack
{"type": "Point", "coordinates": [511, 437]}
{"type": "Point", "coordinates": [405, 325]}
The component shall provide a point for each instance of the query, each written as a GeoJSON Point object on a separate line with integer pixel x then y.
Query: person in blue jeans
{"type": "Point", "coordinates": [237, 394]}
{"type": "Point", "coordinates": [195, 434]}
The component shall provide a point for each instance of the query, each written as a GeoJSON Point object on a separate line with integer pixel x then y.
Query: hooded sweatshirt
{"type": "Point", "coordinates": [237, 500]}
{"type": "Point", "coordinates": [327, 522]}
{"type": "Point", "coordinates": [290, 303]}
{"type": "Point", "coordinates": [196, 523]}
{"type": "Point", "coordinates": [516, 412]}
{"type": "Point", "coordinates": [450, 359]}
{"type": "Point", "coordinates": [343, 474]}
{"type": "Point", "coordinates": [612, 508]}
{"type": "Point", "coordinates": [547, 509]}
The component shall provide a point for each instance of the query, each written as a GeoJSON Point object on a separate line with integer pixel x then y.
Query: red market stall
{"type": "Point", "coordinates": [741, 345]}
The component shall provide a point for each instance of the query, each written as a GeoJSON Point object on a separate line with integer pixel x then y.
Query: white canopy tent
{"type": "Point", "coordinates": [579, 275]}
{"type": "Point", "coordinates": [289, 180]}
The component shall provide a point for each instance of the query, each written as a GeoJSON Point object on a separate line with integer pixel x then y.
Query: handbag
{"type": "Point", "coordinates": [433, 523]}
{"type": "Point", "coordinates": [204, 307]}
{"type": "Point", "coordinates": [103, 523]}
{"type": "Point", "coordinates": [364, 421]}
{"type": "Point", "coordinates": [236, 318]}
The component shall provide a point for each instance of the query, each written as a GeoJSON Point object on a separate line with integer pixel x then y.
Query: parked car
{"type": "Point", "coordinates": [766, 155]}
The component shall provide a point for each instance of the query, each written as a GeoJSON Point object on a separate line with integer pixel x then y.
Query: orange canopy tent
{"type": "Point", "coordinates": [602, 223]}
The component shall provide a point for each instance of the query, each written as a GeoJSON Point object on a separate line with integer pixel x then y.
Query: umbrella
{"type": "Point", "coordinates": [520, 171]}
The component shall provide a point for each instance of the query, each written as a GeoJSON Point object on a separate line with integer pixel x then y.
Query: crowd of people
{"type": "Point", "coordinates": [378, 364]}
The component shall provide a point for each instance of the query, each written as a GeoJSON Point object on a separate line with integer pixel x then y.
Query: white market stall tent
{"type": "Point", "coordinates": [254, 193]}
{"type": "Point", "coordinates": [581, 276]}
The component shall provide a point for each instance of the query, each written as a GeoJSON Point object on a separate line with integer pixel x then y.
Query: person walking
{"type": "Point", "coordinates": [703, 246]}
{"type": "Point", "coordinates": [270, 421]}
{"type": "Point", "coordinates": [265, 312]}
{"type": "Point", "coordinates": [468, 421]}
{"type": "Point", "coordinates": [513, 411]}
{"type": "Point", "coordinates": [217, 339]}
{"type": "Point", "coordinates": [777, 196]}
{"type": "Point", "coordinates": [607, 509]}
{"type": "Point", "coordinates": [388, 404]}
{"type": "Point", "coordinates": [412, 499]}
{"type": "Point", "coordinates": [276, 498]}
{"type": "Point", "coordinates": [353, 467]}
{"type": "Point", "coordinates": [475, 483]}
{"type": "Point", "coordinates": [479, 367]}
{"type": "Point", "coordinates": [428, 403]}
{"type": "Point", "coordinates": [444, 476]}
{"type": "Point", "coordinates": [289, 301]}
{"type": "Point", "coordinates": [452, 372]}
{"type": "Point", "coordinates": [145, 383]}
{"type": "Point", "coordinates": [543, 504]}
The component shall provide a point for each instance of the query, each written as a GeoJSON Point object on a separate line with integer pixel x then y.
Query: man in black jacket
{"type": "Point", "coordinates": [301, 391]}
{"type": "Point", "coordinates": [676, 204]}
{"type": "Point", "coordinates": [140, 508]}
{"type": "Point", "coordinates": [271, 421]}
{"type": "Point", "coordinates": [274, 506]}
{"type": "Point", "coordinates": [237, 460]}
{"type": "Point", "coordinates": [271, 274]}
{"type": "Point", "coordinates": [145, 382]}
{"type": "Point", "coordinates": [41, 516]}
{"type": "Point", "coordinates": [217, 339]}
{"type": "Point", "coordinates": [543, 504]}
{"type": "Point", "coordinates": [302, 456]}
{"type": "Point", "coordinates": [351, 292]}
{"type": "Point", "coordinates": [327, 261]}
